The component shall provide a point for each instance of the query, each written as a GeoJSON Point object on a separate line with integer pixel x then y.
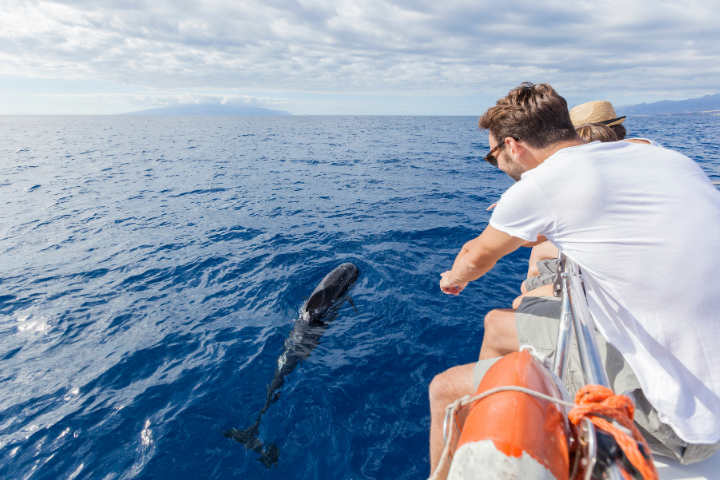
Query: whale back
{"type": "Point", "coordinates": [329, 290]}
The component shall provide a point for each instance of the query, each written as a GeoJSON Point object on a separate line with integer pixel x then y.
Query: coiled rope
{"type": "Point", "coordinates": [591, 400]}
{"type": "Point", "coordinates": [594, 400]}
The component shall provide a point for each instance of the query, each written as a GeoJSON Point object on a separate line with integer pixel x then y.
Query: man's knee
{"type": "Point", "coordinates": [499, 321]}
{"type": "Point", "coordinates": [451, 385]}
{"type": "Point", "coordinates": [440, 387]}
{"type": "Point", "coordinates": [500, 336]}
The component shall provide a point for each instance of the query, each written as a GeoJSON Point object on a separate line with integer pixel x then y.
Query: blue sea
{"type": "Point", "coordinates": [152, 267]}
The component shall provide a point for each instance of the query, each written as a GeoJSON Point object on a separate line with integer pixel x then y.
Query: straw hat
{"type": "Point", "coordinates": [600, 111]}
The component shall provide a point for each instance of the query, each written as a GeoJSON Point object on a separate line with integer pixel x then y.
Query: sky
{"type": "Point", "coordinates": [350, 57]}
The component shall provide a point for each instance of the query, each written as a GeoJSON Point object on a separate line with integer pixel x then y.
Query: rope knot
{"type": "Point", "coordinates": [595, 400]}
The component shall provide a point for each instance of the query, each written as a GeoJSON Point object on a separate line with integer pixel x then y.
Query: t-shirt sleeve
{"type": "Point", "coordinates": [524, 212]}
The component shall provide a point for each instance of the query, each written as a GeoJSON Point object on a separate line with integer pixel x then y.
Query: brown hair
{"type": "Point", "coordinates": [619, 130]}
{"type": "Point", "coordinates": [596, 131]}
{"type": "Point", "coordinates": [532, 113]}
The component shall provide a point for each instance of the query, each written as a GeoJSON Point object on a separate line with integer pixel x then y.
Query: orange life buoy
{"type": "Point", "coordinates": [512, 434]}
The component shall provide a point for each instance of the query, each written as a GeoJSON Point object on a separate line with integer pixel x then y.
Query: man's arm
{"type": "Point", "coordinates": [540, 239]}
{"type": "Point", "coordinates": [477, 257]}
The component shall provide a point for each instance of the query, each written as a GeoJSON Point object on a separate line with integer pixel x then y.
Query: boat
{"type": "Point", "coordinates": [521, 423]}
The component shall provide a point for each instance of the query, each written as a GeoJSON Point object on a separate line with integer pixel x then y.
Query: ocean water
{"type": "Point", "coordinates": [151, 268]}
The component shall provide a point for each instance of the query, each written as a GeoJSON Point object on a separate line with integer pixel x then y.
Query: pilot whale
{"type": "Point", "coordinates": [319, 310]}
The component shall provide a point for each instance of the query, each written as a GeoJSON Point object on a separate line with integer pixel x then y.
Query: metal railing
{"type": "Point", "coordinates": [575, 316]}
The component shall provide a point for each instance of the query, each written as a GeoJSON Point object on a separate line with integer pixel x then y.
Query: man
{"type": "Point", "coordinates": [643, 223]}
{"type": "Point", "coordinates": [593, 121]}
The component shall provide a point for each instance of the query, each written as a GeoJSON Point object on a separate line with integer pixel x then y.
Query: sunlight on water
{"type": "Point", "coordinates": [146, 434]}
{"type": "Point", "coordinates": [152, 268]}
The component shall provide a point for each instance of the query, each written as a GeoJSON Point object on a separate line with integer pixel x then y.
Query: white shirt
{"type": "Point", "coordinates": [643, 223]}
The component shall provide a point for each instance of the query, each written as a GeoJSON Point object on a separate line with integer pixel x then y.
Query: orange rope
{"type": "Point", "coordinates": [594, 400]}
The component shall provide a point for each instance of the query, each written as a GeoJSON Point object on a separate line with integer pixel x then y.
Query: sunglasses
{"type": "Point", "coordinates": [492, 159]}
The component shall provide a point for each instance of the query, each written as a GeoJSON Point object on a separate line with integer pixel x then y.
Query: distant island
{"type": "Point", "coordinates": [208, 109]}
{"type": "Point", "coordinates": [707, 105]}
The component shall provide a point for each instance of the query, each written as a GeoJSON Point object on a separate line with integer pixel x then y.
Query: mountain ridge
{"type": "Point", "coordinates": [707, 105]}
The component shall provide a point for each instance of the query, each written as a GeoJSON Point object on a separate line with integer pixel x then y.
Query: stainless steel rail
{"type": "Point", "coordinates": [590, 359]}
{"type": "Point", "coordinates": [575, 315]}
{"type": "Point", "coordinates": [564, 340]}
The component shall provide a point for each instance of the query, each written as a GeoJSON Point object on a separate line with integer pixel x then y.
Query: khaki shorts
{"type": "Point", "coordinates": [547, 270]}
{"type": "Point", "coordinates": [537, 322]}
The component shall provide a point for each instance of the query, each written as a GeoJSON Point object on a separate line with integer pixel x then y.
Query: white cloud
{"type": "Point", "coordinates": [162, 99]}
{"type": "Point", "coordinates": [368, 47]}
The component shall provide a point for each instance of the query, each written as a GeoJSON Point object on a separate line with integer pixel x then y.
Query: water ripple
{"type": "Point", "coordinates": [153, 266]}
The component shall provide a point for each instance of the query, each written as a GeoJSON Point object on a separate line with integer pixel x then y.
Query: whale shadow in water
{"type": "Point", "coordinates": [320, 309]}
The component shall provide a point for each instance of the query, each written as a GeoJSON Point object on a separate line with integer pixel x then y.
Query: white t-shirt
{"type": "Point", "coordinates": [643, 223]}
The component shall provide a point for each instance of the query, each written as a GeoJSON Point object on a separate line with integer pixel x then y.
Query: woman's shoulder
{"type": "Point", "coordinates": [645, 141]}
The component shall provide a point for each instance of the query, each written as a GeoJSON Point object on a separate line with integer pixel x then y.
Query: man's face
{"type": "Point", "coordinates": [505, 160]}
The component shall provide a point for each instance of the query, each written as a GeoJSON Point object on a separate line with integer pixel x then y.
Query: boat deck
{"type": "Point", "coordinates": [672, 470]}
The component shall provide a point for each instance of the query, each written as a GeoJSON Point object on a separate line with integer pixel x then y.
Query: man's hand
{"type": "Point", "coordinates": [477, 257]}
{"type": "Point", "coordinates": [450, 287]}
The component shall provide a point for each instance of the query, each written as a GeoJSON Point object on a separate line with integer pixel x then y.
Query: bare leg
{"type": "Point", "coordinates": [544, 291]}
{"type": "Point", "coordinates": [500, 339]}
{"type": "Point", "coordinates": [500, 334]}
{"type": "Point", "coordinates": [444, 389]}
{"type": "Point", "coordinates": [540, 252]}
